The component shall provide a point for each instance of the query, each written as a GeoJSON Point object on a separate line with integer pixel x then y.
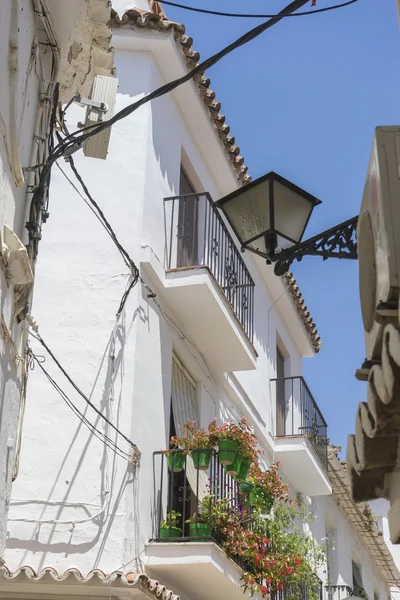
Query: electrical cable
{"type": "Point", "coordinates": [102, 218]}
{"type": "Point", "coordinates": [92, 428]}
{"type": "Point", "coordinates": [39, 338]}
{"type": "Point", "coordinates": [127, 259]}
{"type": "Point", "coordinates": [218, 13]}
{"type": "Point", "coordinates": [82, 196]}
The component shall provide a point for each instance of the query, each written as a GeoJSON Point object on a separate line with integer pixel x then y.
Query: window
{"type": "Point", "coordinates": [281, 408]}
{"type": "Point", "coordinates": [187, 223]}
{"type": "Point", "coordinates": [184, 407]}
{"type": "Point", "coordinates": [358, 588]}
{"type": "Point", "coordinates": [330, 555]}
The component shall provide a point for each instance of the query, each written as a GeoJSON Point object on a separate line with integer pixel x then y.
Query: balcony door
{"type": "Point", "coordinates": [189, 486]}
{"type": "Point", "coordinates": [187, 223]}
{"type": "Point", "coordinates": [280, 395]}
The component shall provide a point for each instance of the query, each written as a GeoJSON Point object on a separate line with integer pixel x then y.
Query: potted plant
{"type": "Point", "coordinates": [268, 487]}
{"type": "Point", "coordinates": [237, 444]}
{"type": "Point", "coordinates": [175, 456]}
{"type": "Point", "coordinates": [169, 528]}
{"type": "Point", "coordinates": [246, 487]}
{"type": "Point", "coordinates": [227, 437]}
{"type": "Point", "coordinates": [200, 522]}
{"type": "Point", "coordinates": [200, 526]}
{"type": "Point", "coordinates": [199, 443]}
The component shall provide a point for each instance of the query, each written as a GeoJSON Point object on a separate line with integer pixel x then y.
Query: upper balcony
{"type": "Point", "coordinates": [301, 442]}
{"type": "Point", "coordinates": [207, 284]}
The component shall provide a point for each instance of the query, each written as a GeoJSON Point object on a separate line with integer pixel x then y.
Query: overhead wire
{"type": "Point", "coordinates": [39, 338]}
{"type": "Point", "coordinates": [219, 13]}
{"type": "Point", "coordinates": [92, 428]}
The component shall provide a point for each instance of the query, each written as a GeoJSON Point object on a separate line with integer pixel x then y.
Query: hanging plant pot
{"type": "Point", "coordinates": [200, 530]}
{"type": "Point", "coordinates": [244, 469]}
{"type": "Point", "coordinates": [201, 458]}
{"type": "Point", "coordinates": [176, 461]}
{"type": "Point", "coordinates": [234, 468]}
{"type": "Point", "coordinates": [261, 499]}
{"type": "Point", "coordinates": [227, 451]}
{"type": "Point", "coordinates": [246, 487]}
{"type": "Point", "coordinates": [170, 532]}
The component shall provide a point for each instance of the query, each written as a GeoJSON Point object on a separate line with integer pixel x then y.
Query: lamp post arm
{"type": "Point", "coordinates": [337, 242]}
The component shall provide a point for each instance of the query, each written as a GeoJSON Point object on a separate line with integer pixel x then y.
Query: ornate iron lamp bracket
{"type": "Point", "coordinates": [337, 242]}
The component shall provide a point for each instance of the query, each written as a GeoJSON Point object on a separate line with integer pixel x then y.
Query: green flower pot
{"type": "Point", "coordinates": [201, 458]}
{"type": "Point", "coordinates": [170, 532]}
{"type": "Point", "coordinates": [200, 530]}
{"type": "Point", "coordinates": [234, 468]}
{"type": "Point", "coordinates": [260, 499]}
{"type": "Point", "coordinates": [244, 469]}
{"type": "Point", "coordinates": [246, 487]}
{"type": "Point", "coordinates": [176, 461]}
{"type": "Point", "coordinates": [227, 451]}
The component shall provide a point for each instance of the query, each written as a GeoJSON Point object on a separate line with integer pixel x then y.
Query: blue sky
{"type": "Point", "coordinates": [303, 100]}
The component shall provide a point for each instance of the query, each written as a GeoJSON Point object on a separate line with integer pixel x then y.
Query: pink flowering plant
{"type": "Point", "coordinates": [242, 433]}
{"type": "Point", "coordinates": [272, 551]}
{"type": "Point", "coordinates": [269, 481]}
{"type": "Point", "coordinates": [193, 437]}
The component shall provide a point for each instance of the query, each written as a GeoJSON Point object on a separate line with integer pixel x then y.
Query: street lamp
{"type": "Point", "coordinates": [269, 217]}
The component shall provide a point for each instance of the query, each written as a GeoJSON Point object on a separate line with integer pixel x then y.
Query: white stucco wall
{"type": "Point", "coordinates": [380, 509]}
{"type": "Point", "coordinates": [21, 30]}
{"type": "Point", "coordinates": [347, 546]}
{"type": "Point", "coordinates": [12, 211]}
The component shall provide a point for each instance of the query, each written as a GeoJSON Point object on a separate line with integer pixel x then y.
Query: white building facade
{"type": "Point", "coordinates": [206, 333]}
{"type": "Point", "coordinates": [41, 43]}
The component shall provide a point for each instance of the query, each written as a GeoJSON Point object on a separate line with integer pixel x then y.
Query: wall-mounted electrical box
{"type": "Point", "coordinates": [101, 108]}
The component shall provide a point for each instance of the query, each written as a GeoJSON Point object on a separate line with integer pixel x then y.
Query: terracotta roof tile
{"type": "Point", "coordinates": [357, 515]}
{"type": "Point", "coordinates": [151, 587]}
{"type": "Point", "coordinates": [150, 20]}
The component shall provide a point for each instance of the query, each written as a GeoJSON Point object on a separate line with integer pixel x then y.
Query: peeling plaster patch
{"type": "Point", "coordinates": [74, 51]}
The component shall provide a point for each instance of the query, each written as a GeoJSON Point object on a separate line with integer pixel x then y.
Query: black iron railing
{"type": "Point", "coordinates": [189, 492]}
{"type": "Point", "coordinates": [299, 591]}
{"type": "Point", "coordinates": [196, 235]}
{"type": "Point", "coordinates": [338, 592]}
{"type": "Point", "coordinates": [297, 413]}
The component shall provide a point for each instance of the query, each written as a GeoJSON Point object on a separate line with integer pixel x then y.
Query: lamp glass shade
{"type": "Point", "coordinates": [291, 213]}
{"type": "Point", "coordinates": [248, 212]}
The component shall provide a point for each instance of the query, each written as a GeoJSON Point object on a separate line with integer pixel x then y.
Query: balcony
{"type": "Point", "coordinates": [301, 442]}
{"type": "Point", "coordinates": [195, 566]}
{"type": "Point", "coordinates": [207, 283]}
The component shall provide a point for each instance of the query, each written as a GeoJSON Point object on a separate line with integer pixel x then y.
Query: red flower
{"type": "Point", "coordinates": [263, 590]}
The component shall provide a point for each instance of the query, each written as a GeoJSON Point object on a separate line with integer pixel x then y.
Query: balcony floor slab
{"type": "Point", "coordinates": [195, 570]}
{"type": "Point", "coordinates": [200, 309]}
{"type": "Point", "coordinates": [302, 466]}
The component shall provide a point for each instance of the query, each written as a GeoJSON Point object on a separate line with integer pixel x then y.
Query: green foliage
{"type": "Point", "coordinates": [272, 549]}
{"type": "Point", "coordinates": [173, 519]}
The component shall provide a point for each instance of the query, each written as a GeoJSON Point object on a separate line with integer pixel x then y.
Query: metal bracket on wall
{"type": "Point", "coordinates": [336, 242]}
